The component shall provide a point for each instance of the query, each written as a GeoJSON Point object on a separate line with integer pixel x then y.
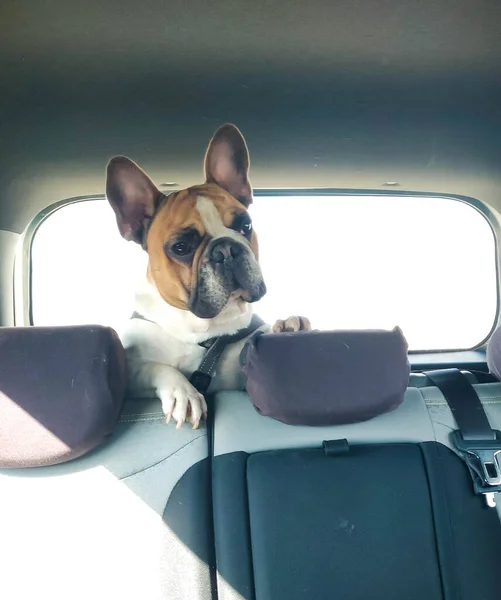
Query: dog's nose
{"type": "Point", "coordinates": [225, 249]}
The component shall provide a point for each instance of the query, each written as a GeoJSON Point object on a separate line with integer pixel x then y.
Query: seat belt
{"type": "Point", "coordinates": [477, 443]}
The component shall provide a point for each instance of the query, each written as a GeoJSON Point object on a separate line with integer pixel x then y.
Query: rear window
{"type": "Point", "coordinates": [427, 265]}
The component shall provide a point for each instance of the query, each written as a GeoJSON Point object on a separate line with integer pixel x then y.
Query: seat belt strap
{"type": "Point", "coordinates": [477, 443]}
{"type": "Point", "coordinates": [464, 404]}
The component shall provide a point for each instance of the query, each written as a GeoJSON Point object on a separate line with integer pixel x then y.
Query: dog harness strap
{"type": "Point", "coordinates": [202, 377]}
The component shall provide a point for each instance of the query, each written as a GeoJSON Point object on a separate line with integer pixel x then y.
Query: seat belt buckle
{"type": "Point", "coordinates": [490, 499]}
{"type": "Point", "coordinates": [483, 458]}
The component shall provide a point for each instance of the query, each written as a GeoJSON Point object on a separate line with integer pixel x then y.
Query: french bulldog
{"type": "Point", "coordinates": [202, 278]}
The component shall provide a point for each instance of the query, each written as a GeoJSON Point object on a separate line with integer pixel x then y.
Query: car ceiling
{"type": "Point", "coordinates": [348, 94]}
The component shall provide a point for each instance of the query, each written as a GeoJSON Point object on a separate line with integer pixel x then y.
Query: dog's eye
{"type": "Point", "coordinates": [246, 229]}
{"type": "Point", "coordinates": [181, 248]}
{"type": "Point", "coordinates": [243, 224]}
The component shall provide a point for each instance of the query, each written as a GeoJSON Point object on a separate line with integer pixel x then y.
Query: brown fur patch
{"type": "Point", "coordinates": [175, 280]}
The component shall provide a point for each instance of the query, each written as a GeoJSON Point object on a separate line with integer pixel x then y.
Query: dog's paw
{"type": "Point", "coordinates": [292, 324]}
{"type": "Point", "coordinates": [183, 403]}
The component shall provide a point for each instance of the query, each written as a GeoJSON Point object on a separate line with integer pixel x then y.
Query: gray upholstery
{"type": "Point", "coordinates": [423, 416]}
{"type": "Point", "coordinates": [93, 527]}
{"type": "Point", "coordinates": [8, 245]}
{"type": "Point", "coordinates": [239, 427]}
{"type": "Point", "coordinates": [494, 353]}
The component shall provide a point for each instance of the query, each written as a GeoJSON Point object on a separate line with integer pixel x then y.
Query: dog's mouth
{"type": "Point", "coordinates": [234, 278]}
{"type": "Point", "coordinates": [209, 302]}
{"type": "Point", "coordinates": [237, 304]}
{"type": "Point", "coordinates": [249, 296]}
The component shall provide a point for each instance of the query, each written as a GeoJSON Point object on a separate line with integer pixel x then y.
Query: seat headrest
{"type": "Point", "coordinates": [61, 391]}
{"type": "Point", "coordinates": [326, 377]}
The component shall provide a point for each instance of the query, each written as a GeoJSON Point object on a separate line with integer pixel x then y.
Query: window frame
{"type": "Point", "coordinates": [23, 314]}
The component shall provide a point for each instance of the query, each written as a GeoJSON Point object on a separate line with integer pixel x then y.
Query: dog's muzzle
{"type": "Point", "coordinates": [227, 266]}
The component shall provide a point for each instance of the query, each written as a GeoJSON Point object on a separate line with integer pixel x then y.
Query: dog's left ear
{"type": "Point", "coordinates": [227, 163]}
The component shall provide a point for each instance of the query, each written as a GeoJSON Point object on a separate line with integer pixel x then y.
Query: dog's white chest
{"type": "Point", "coordinates": [167, 336]}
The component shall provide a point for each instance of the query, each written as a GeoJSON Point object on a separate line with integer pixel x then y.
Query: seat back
{"type": "Point", "coordinates": [391, 514]}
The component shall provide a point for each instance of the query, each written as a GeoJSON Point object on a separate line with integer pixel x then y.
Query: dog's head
{"type": "Point", "coordinates": [203, 251]}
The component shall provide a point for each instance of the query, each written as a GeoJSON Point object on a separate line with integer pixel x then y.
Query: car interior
{"type": "Point", "coordinates": [361, 459]}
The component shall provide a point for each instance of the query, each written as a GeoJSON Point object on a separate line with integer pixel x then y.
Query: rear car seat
{"type": "Point", "coordinates": [97, 526]}
{"type": "Point", "coordinates": [389, 515]}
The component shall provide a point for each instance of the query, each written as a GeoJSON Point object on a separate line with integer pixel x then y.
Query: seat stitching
{"type": "Point", "coordinates": [432, 424]}
{"type": "Point", "coordinates": [158, 412]}
{"type": "Point", "coordinates": [141, 420]}
{"type": "Point", "coordinates": [483, 401]}
{"type": "Point", "coordinates": [161, 460]}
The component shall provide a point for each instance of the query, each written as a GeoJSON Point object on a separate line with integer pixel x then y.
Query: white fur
{"type": "Point", "coordinates": [212, 221]}
{"type": "Point", "coordinates": [163, 354]}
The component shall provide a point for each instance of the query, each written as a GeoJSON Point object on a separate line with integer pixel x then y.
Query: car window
{"type": "Point", "coordinates": [425, 264]}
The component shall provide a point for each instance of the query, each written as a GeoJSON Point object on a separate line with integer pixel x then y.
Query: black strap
{"type": "Point", "coordinates": [477, 443]}
{"type": "Point", "coordinates": [207, 344]}
{"type": "Point", "coordinates": [202, 377]}
{"type": "Point", "coordinates": [464, 404]}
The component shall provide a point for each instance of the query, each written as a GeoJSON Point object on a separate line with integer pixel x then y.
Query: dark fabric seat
{"type": "Point", "coordinates": [381, 521]}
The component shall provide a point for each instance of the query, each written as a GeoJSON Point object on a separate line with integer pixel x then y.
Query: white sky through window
{"type": "Point", "coordinates": [346, 262]}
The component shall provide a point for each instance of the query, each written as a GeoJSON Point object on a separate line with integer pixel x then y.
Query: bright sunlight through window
{"type": "Point", "coordinates": [346, 262]}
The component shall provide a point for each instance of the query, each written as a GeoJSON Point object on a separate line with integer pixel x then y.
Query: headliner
{"type": "Point", "coordinates": [346, 94]}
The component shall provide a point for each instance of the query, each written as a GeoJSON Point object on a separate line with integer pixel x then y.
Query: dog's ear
{"type": "Point", "coordinates": [133, 197]}
{"type": "Point", "coordinates": [227, 163]}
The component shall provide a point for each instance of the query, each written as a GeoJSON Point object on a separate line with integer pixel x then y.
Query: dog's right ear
{"type": "Point", "coordinates": [133, 197]}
